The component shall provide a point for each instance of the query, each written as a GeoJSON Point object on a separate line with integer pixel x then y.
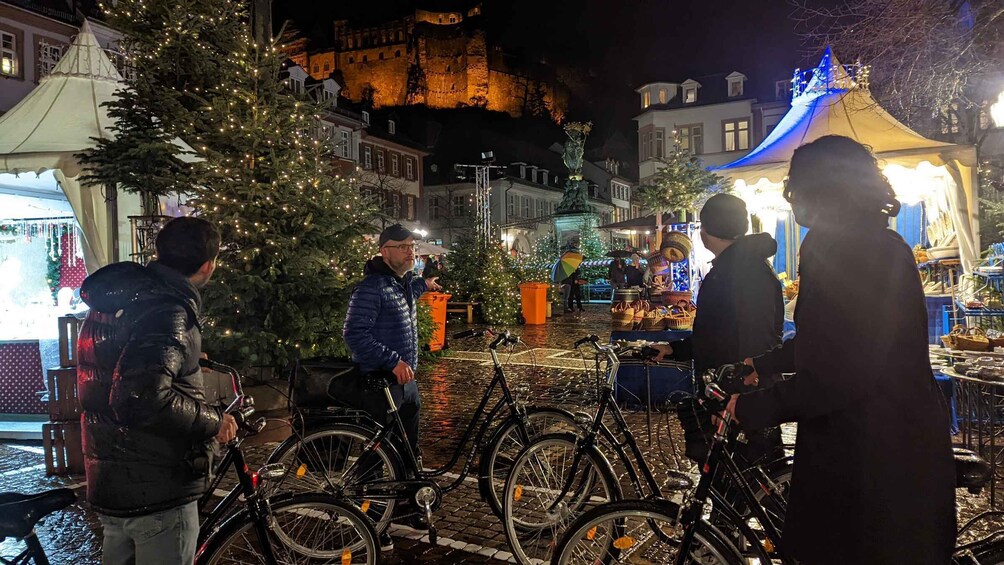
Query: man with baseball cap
{"type": "Point", "coordinates": [381, 327]}
{"type": "Point", "coordinates": [739, 307]}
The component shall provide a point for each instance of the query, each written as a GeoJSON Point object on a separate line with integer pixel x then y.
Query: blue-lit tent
{"type": "Point", "coordinates": [834, 100]}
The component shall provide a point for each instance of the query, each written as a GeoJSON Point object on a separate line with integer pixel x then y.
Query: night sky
{"type": "Point", "coordinates": [618, 44]}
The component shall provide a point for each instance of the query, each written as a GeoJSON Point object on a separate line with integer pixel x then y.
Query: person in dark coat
{"type": "Point", "coordinates": [874, 479]}
{"type": "Point", "coordinates": [381, 326]}
{"type": "Point", "coordinates": [146, 425]}
{"type": "Point", "coordinates": [740, 310]}
{"type": "Point", "coordinates": [633, 273]}
{"type": "Point", "coordinates": [574, 290]}
{"type": "Point", "coordinates": [616, 273]}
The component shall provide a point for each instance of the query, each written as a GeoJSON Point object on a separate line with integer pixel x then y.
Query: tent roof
{"type": "Point", "coordinates": [64, 112]}
{"type": "Point", "coordinates": [832, 103]}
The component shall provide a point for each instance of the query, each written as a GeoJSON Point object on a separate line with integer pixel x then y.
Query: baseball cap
{"type": "Point", "coordinates": [397, 232]}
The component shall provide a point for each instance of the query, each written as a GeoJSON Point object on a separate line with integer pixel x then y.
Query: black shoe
{"type": "Point", "coordinates": [386, 542]}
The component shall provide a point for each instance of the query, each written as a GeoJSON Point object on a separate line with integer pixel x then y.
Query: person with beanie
{"type": "Point", "coordinates": [873, 479]}
{"type": "Point", "coordinates": [740, 308]}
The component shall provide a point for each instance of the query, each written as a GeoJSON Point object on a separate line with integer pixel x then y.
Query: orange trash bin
{"type": "Point", "coordinates": [437, 307]}
{"type": "Point", "coordinates": [533, 297]}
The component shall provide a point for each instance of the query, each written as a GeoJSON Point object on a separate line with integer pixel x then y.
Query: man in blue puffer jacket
{"type": "Point", "coordinates": [381, 326]}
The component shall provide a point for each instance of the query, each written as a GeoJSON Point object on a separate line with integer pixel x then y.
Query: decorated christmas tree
{"type": "Point", "coordinates": [680, 182]}
{"type": "Point", "coordinates": [593, 248]}
{"type": "Point", "coordinates": [292, 229]}
{"type": "Point", "coordinates": [484, 273]}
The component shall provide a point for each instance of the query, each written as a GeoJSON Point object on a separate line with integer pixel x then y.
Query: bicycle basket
{"type": "Point", "coordinates": [322, 381]}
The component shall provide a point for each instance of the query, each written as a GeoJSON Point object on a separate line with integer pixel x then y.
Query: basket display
{"type": "Point", "coordinates": [681, 317]}
{"type": "Point", "coordinates": [962, 338]}
{"type": "Point", "coordinates": [622, 316]}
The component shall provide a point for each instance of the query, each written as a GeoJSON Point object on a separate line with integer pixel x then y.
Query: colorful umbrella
{"type": "Point", "coordinates": [569, 262]}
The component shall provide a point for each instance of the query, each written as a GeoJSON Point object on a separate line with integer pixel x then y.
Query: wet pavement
{"type": "Point", "coordinates": [545, 372]}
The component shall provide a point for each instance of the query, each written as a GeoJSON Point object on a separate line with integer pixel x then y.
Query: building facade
{"type": "Point", "coordinates": [33, 37]}
{"type": "Point", "coordinates": [715, 117]}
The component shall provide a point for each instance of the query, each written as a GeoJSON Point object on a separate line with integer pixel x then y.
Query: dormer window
{"type": "Point", "coordinates": [736, 81]}
{"type": "Point", "coordinates": [689, 94]}
{"type": "Point", "coordinates": [391, 127]}
{"type": "Point", "coordinates": [366, 117]}
{"type": "Point", "coordinates": [544, 173]}
{"type": "Point", "coordinates": [646, 99]}
{"type": "Point", "coordinates": [296, 85]}
{"type": "Point", "coordinates": [663, 96]}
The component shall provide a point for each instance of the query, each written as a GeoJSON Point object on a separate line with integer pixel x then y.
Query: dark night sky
{"type": "Point", "coordinates": [621, 44]}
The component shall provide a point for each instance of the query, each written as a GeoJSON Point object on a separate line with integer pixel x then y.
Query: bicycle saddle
{"type": "Point", "coordinates": [971, 471]}
{"type": "Point", "coordinates": [20, 512]}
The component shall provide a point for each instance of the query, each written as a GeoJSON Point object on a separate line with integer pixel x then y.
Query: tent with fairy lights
{"type": "Point", "coordinates": [41, 135]}
{"type": "Point", "coordinates": [935, 181]}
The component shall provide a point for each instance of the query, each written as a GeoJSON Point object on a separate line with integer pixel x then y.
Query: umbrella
{"type": "Point", "coordinates": [569, 262]}
{"type": "Point", "coordinates": [621, 253]}
{"type": "Point", "coordinates": [425, 248]}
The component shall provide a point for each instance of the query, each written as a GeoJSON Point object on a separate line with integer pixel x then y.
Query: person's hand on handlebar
{"type": "Point", "coordinates": [228, 430]}
{"type": "Point", "coordinates": [664, 350]}
{"type": "Point", "coordinates": [731, 407]}
{"type": "Point", "coordinates": [752, 379]}
{"type": "Point", "coordinates": [404, 373]}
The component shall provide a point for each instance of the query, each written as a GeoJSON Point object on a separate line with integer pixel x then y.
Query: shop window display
{"type": "Point", "coordinates": [38, 258]}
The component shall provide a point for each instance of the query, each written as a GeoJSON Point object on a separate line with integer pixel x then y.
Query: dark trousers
{"type": "Point", "coordinates": [574, 295]}
{"type": "Point", "coordinates": [408, 404]}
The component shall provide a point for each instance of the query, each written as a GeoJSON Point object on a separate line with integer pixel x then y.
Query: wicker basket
{"type": "Point", "coordinates": [653, 320]}
{"type": "Point", "coordinates": [966, 339]}
{"type": "Point", "coordinates": [676, 297]}
{"type": "Point", "coordinates": [622, 316]}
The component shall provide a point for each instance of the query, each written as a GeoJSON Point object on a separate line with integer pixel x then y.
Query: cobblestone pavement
{"type": "Point", "coordinates": [451, 387]}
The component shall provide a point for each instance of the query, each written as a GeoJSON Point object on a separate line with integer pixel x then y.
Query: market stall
{"type": "Point", "coordinates": [935, 181]}
{"type": "Point", "coordinates": [54, 228]}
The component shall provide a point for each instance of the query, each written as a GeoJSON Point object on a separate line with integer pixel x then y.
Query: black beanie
{"type": "Point", "coordinates": [724, 216]}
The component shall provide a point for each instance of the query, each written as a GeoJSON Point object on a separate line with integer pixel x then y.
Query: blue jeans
{"type": "Point", "coordinates": [169, 537]}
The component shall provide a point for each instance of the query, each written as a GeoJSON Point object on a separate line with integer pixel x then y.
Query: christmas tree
{"type": "Point", "coordinates": [292, 229]}
{"type": "Point", "coordinates": [175, 53]}
{"type": "Point", "coordinates": [484, 273]}
{"type": "Point", "coordinates": [680, 182]}
{"type": "Point", "coordinates": [593, 248]}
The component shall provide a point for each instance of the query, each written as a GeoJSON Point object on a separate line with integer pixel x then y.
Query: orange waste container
{"type": "Point", "coordinates": [534, 299]}
{"type": "Point", "coordinates": [437, 307]}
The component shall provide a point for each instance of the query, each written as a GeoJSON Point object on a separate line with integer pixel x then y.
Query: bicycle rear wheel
{"type": "Point", "coordinates": [638, 531]}
{"type": "Point", "coordinates": [302, 528]}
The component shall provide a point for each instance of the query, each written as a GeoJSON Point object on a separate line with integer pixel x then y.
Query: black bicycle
{"type": "Point", "coordinates": [282, 529]}
{"type": "Point", "coordinates": [558, 477]}
{"type": "Point", "coordinates": [368, 463]}
{"type": "Point", "coordinates": [738, 531]}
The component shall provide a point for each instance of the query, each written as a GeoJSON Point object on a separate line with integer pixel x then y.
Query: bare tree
{"type": "Point", "coordinates": [935, 63]}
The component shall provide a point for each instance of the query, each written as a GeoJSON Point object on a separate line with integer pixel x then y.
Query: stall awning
{"type": "Point", "coordinates": [60, 118]}
{"type": "Point", "coordinates": [640, 223]}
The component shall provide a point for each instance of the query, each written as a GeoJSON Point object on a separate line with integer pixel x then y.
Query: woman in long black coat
{"type": "Point", "coordinates": [873, 481]}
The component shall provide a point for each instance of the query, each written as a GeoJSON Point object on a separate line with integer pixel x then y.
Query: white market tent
{"type": "Point", "coordinates": [59, 119]}
{"type": "Point", "coordinates": [833, 102]}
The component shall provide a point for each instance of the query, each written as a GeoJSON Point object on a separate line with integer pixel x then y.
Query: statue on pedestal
{"type": "Point", "coordinates": [575, 197]}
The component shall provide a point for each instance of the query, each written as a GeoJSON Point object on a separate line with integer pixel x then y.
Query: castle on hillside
{"type": "Point", "coordinates": [440, 57]}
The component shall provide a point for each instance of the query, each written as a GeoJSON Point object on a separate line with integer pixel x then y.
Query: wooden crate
{"type": "Point", "coordinates": [64, 452]}
{"type": "Point", "coordinates": [69, 327]}
{"type": "Point", "coordinates": [64, 406]}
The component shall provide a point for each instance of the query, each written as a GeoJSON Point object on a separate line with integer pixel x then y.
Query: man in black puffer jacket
{"type": "Point", "coordinates": [146, 425]}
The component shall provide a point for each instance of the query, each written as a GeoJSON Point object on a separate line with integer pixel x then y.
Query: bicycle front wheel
{"type": "Point", "coordinates": [301, 529]}
{"type": "Point", "coordinates": [535, 512]}
{"type": "Point", "coordinates": [638, 531]}
{"type": "Point", "coordinates": [506, 443]}
{"type": "Point", "coordinates": [321, 459]}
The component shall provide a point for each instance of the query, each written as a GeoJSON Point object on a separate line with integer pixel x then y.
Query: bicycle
{"type": "Point", "coordinates": [20, 512]}
{"type": "Point", "coordinates": [275, 529]}
{"type": "Point", "coordinates": [660, 530]}
{"type": "Point", "coordinates": [559, 493]}
{"type": "Point", "coordinates": [355, 458]}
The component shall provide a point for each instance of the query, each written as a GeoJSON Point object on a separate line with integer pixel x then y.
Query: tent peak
{"type": "Point", "coordinates": [828, 77]}
{"type": "Point", "coordinates": [85, 58]}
